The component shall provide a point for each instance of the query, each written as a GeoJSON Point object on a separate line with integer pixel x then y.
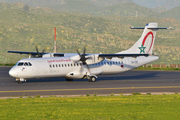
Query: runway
{"type": "Point", "coordinates": [129, 82]}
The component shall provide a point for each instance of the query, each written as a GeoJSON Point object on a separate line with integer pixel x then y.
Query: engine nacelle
{"type": "Point", "coordinates": [48, 55]}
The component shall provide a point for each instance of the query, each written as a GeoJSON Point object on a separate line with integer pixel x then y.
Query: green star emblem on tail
{"type": "Point", "coordinates": [142, 49]}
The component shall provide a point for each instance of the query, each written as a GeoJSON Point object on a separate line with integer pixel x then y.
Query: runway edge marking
{"type": "Point", "coordinates": [52, 90]}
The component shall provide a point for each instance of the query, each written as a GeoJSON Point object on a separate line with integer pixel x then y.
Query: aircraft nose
{"type": "Point", "coordinates": [12, 72]}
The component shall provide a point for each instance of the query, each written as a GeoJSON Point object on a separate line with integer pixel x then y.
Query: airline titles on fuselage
{"type": "Point", "coordinates": [60, 60]}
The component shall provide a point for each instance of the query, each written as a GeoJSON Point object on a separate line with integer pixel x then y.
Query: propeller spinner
{"type": "Point", "coordinates": [83, 57]}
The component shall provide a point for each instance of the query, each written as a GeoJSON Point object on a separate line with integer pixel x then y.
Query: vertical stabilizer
{"type": "Point", "coordinates": [146, 42]}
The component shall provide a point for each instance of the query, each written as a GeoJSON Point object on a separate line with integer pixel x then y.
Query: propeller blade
{"type": "Point", "coordinates": [37, 51]}
{"type": "Point", "coordinates": [43, 52]}
{"type": "Point", "coordinates": [78, 51]}
{"type": "Point", "coordinates": [84, 51]}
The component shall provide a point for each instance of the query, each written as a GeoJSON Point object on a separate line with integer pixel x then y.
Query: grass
{"type": "Point", "coordinates": [99, 107]}
{"type": "Point", "coordinates": [7, 64]}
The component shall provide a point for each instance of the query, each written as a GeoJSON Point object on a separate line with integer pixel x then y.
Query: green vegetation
{"type": "Point", "coordinates": [22, 28]}
{"type": "Point", "coordinates": [134, 107]}
{"type": "Point", "coordinates": [7, 64]}
{"type": "Point", "coordinates": [173, 13]}
{"type": "Point", "coordinates": [152, 4]}
{"type": "Point", "coordinates": [136, 93]}
{"type": "Point", "coordinates": [83, 6]}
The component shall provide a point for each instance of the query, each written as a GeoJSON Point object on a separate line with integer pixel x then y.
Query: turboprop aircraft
{"type": "Point", "coordinates": [87, 66]}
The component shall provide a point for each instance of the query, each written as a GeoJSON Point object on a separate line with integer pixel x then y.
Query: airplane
{"type": "Point", "coordinates": [87, 66]}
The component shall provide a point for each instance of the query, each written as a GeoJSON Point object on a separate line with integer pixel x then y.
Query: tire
{"type": "Point", "coordinates": [92, 79]}
{"type": "Point", "coordinates": [19, 82]}
{"type": "Point", "coordinates": [69, 79]}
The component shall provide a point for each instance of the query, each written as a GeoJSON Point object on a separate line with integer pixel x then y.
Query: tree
{"type": "Point", "coordinates": [26, 8]}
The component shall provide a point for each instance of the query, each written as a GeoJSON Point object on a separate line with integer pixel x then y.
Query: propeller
{"type": "Point", "coordinates": [83, 57]}
{"type": "Point", "coordinates": [40, 54]}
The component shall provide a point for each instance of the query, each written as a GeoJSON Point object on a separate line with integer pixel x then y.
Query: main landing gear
{"type": "Point", "coordinates": [20, 80]}
{"type": "Point", "coordinates": [92, 78]}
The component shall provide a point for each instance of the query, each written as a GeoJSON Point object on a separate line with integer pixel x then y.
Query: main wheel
{"type": "Point", "coordinates": [92, 79]}
{"type": "Point", "coordinates": [69, 79]}
{"type": "Point", "coordinates": [19, 82]}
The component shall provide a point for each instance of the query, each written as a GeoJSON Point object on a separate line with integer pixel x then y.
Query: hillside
{"type": "Point", "coordinates": [22, 29]}
{"type": "Point", "coordinates": [150, 3]}
{"type": "Point", "coordinates": [173, 13]}
{"type": "Point", "coordinates": [170, 4]}
{"type": "Point", "coordinates": [103, 3]}
{"type": "Point", "coordinates": [121, 9]}
{"type": "Point", "coordinates": [34, 3]}
{"type": "Point", "coordinates": [118, 9]}
{"type": "Point", "coordinates": [82, 6]}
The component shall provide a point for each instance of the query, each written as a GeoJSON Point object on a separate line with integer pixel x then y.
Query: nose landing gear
{"type": "Point", "coordinates": [20, 80]}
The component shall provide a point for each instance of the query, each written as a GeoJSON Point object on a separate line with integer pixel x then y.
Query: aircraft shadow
{"type": "Point", "coordinates": [125, 76]}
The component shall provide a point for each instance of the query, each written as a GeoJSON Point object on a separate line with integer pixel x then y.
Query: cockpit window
{"type": "Point", "coordinates": [29, 64]}
{"type": "Point", "coordinates": [24, 64]}
{"type": "Point", "coordinates": [20, 64]}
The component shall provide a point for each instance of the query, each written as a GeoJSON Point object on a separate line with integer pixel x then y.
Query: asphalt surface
{"type": "Point", "coordinates": [128, 82]}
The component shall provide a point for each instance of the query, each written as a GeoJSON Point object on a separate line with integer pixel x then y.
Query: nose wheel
{"type": "Point", "coordinates": [20, 80]}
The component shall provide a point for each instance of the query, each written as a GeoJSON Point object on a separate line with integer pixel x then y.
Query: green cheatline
{"type": "Point", "coordinates": [93, 107]}
{"type": "Point", "coordinates": [142, 49]}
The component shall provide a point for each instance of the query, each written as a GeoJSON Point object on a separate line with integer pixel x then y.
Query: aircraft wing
{"type": "Point", "coordinates": [34, 53]}
{"type": "Point", "coordinates": [23, 52]}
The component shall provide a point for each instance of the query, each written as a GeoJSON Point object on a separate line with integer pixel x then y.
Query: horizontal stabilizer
{"type": "Point", "coordinates": [169, 28]}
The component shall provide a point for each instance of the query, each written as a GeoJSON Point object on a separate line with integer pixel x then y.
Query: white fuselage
{"type": "Point", "coordinates": [67, 68]}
